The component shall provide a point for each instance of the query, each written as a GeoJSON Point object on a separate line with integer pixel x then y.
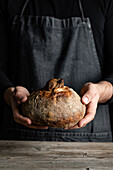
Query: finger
{"type": "Point", "coordinates": [91, 111]}
{"type": "Point", "coordinates": [21, 89]}
{"type": "Point", "coordinates": [21, 98]}
{"type": "Point", "coordinates": [88, 96]}
{"type": "Point", "coordinates": [17, 117]}
{"type": "Point", "coordinates": [90, 92]}
{"type": "Point", "coordinates": [74, 127]}
{"type": "Point", "coordinates": [86, 99]}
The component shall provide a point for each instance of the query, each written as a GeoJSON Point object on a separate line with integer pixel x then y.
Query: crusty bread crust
{"type": "Point", "coordinates": [60, 107]}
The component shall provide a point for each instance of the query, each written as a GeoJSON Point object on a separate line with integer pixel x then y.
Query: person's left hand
{"type": "Point", "coordinates": [90, 97]}
{"type": "Point", "coordinates": [92, 94]}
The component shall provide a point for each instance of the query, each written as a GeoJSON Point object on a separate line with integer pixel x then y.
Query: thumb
{"type": "Point", "coordinates": [20, 94]}
{"type": "Point", "coordinates": [86, 98]}
{"type": "Point", "coordinates": [22, 98]}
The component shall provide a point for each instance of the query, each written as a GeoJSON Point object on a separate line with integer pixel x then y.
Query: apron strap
{"type": "Point", "coordinates": [81, 10]}
{"type": "Point", "coordinates": [23, 9]}
{"type": "Point", "coordinates": [80, 6]}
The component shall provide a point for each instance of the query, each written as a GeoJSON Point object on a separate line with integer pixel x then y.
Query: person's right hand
{"type": "Point", "coordinates": [14, 97]}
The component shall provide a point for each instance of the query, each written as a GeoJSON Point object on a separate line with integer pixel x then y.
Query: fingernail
{"type": "Point", "coordinates": [83, 125]}
{"type": "Point", "coordinates": [85, 100]}
{"type": "Point", "coordinates": [29, 122]}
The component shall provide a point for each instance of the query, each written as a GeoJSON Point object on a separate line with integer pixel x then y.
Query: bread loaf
{"type": "Point", "coordinates": [55, 105]}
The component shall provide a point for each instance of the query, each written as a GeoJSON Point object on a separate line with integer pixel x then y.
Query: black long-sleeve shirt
{"type": "Point", "coordinates": [100, 13]}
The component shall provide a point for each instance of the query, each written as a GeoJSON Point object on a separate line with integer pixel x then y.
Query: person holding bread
{"type": "Point", "coordinates": [52, 40]}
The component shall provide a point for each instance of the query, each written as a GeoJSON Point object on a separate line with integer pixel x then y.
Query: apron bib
{"type": "Point", "coordinates": [45, 47]}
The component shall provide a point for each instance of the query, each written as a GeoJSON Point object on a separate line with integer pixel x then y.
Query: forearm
{"type": "Point", "coordinates": [105, 91]}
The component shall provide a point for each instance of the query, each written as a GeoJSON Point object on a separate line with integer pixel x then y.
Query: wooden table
{"type": "Point", "coordinates": [25, 155]}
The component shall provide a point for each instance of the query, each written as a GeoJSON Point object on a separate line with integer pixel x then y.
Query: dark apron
{"type": "Point", "coordinates": [43, 48]}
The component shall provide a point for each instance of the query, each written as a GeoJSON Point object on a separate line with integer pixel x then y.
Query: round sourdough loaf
{"type": "Point", "coordinates": [55, 105]}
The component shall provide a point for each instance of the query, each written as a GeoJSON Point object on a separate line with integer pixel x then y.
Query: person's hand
{"type": "Point", "coordinates": [92, 94]}
{"type": "Point", "coordinates": [14, 97]}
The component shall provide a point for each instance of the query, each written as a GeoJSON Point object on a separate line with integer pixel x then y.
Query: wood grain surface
{"type": "Point", "coordinates": [25, 155]}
